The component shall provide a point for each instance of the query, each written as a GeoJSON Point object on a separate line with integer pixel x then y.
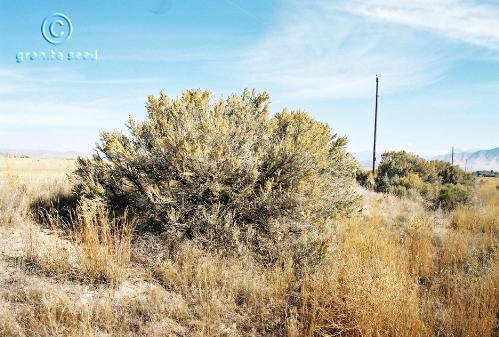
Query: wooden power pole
{"type": "Point", "coordinates": [375, 125]}
{"type": "Point", "coordinates": [452, 157]}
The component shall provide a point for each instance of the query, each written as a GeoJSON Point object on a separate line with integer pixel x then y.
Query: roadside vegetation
{"type": "Point", "coordinates": [212, 218]}
{"type": "Point", "coordinates": [489, 174]}
{"type": "Point", "coordinates": [436, 182]}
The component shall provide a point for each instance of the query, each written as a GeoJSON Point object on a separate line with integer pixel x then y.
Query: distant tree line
{"type": "Point", "coordinates": [489, 174]}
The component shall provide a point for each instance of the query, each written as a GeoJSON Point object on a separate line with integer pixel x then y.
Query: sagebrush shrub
{"type": "Point", "coordinates": [452, 195]}
{"type": "Point", "coordinates": [223, 172]}
{"type": "Point", "coordinates": [438, 182]}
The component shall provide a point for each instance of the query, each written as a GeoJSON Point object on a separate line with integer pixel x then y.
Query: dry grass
{"type": "Point", "coordinates": [105, 244]}
{"type": "Point", "coordinates": [364, 289]}
{"type": "Point", "coordinates": [23, 180]}
{"type": "Point", "coordinates": [98, 250]}
{"type": "Point", "coordinates": [419, 283]}
{"type": "Point", "coordinates": [398, 269]}
{"type": "Point", "coordinates": [45, 309]}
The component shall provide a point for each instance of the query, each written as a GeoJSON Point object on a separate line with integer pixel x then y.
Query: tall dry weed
{"type": "Point", "coordinates": [98, 251]}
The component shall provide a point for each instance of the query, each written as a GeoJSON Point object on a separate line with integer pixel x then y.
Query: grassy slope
{"type": "Point", "coordinates": [397, 269]}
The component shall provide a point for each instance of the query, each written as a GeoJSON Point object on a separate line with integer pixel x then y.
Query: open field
{"type": "Point", "coordinates": [394, 269]}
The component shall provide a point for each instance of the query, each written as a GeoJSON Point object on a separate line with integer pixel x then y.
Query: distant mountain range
{"type": "Point", "coordinates": [42, 153]}
{"type": "Point", "coordinates": [474, 160]}
{"type": "Point", "coordinates": [470, 160]}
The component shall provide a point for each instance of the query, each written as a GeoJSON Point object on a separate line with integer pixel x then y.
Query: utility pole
{"type": "Point", "coordinates": [452, 157]}
{"type": "Point", "coordinates": [375, 125]}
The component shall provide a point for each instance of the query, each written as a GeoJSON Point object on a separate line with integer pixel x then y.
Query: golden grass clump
{"type": "Point", "coordinates": [105, 244]}
{"type": "Point", "coordinates": [98, 250]}
{"type": "Point", "coordinates": [13, 198]}
{"type": "Point", "coordinates": [364, 289]}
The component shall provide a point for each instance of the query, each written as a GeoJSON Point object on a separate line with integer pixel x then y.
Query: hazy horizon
{"type": "Point", "coordinates": [360, 155]}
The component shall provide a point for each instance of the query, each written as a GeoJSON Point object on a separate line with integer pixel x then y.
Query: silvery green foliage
{"type": "Point", "coordinates": [224, 173]}
{"type": "Point", "coordinates": [438, 182]}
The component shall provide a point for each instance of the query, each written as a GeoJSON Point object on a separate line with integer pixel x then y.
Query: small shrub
{"type": "Point", "coordinates": [436, 181]}
{"type": "Point", "coordinates": [401, 164]}
{"type": "Point", "coordinates": [452, 195]}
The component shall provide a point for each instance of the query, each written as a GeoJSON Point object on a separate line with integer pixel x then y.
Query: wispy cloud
{"type": "Point", "coordinates": [325, 49]}
{"type": "Point", "coordinates": [46, 106]}
{"type": "Point", "coordinates": [466, 21]}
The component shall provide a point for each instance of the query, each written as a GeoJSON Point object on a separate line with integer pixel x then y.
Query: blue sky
{"type": "Point", "coordinates": [438, 63]}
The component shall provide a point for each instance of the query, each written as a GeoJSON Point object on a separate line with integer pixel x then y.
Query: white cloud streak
{"type": "Point", "coordinates": [34, 99]}
{"type": "Point", "coordinates": [465, 21]}
{"type": "Point", "coordinates": [323, 50]}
